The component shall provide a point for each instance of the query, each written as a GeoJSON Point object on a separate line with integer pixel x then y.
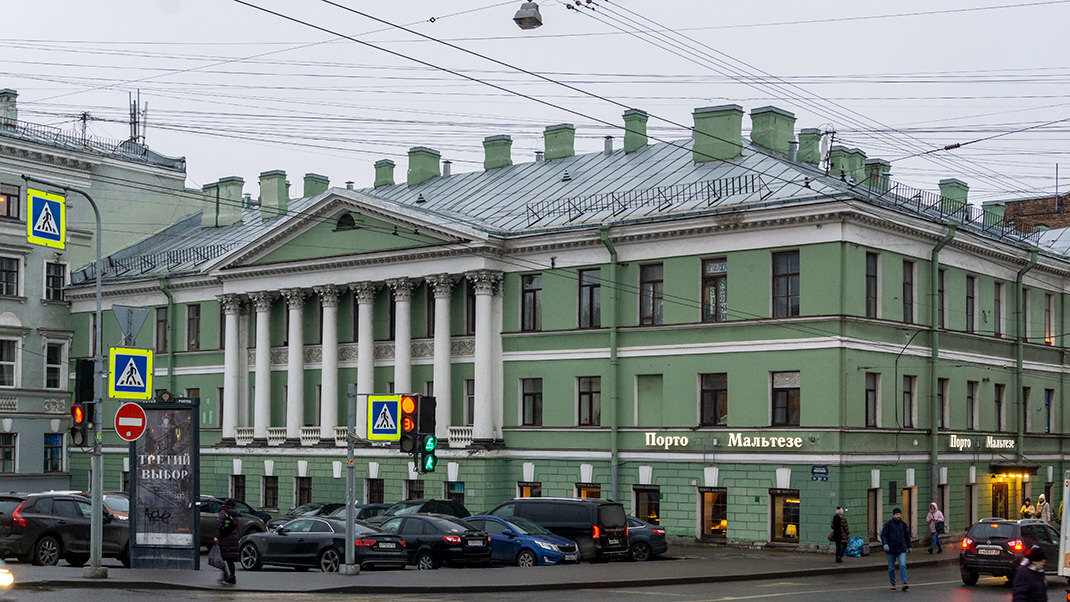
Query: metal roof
{"type": "Point", "coordinates": [126, 150]}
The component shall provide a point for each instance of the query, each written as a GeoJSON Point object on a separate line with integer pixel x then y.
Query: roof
{"type": "Point", "coordinates": [125, 150]}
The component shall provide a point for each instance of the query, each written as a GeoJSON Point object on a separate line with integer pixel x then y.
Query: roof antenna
{"type": "Point", "coordinates": [828, 137]}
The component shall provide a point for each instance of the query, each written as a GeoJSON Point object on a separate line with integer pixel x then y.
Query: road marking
{"type": "Point", "coordinates": [816, 591]}
{"type": "Point", "coordinates": [640, 593]}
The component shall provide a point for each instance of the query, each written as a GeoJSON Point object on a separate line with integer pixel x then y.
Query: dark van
{"type": "Point", "coordinates": [599, 527]}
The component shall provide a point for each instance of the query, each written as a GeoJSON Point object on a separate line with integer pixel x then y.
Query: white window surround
{"type": "Point", "coordinates": [44, 277]}
{"type": "Point", "coordinates": [17, 364]}
{"type": "Point", "coordinates": [20, 261]}
{"type": "Point", "coordinates": [64, 360]}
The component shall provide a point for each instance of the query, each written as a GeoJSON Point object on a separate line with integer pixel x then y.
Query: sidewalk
{"type": "Point", "coordinates": [682, 564]}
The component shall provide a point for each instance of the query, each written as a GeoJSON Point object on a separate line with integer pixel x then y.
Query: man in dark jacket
{"type": "Point", "coordinates": [1030, 585]}
{"type": "Point", "coordinates": [226, 535]}
{"type": "Point", "coordinates": [895, 537]}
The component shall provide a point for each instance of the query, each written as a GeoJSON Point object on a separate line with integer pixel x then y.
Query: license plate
{"type": "Point", "coordinates": [614, 542]}
{"type": "Point", "coordinates": [475, 543]}
{"type": "Point", "coordinates": [570, 557]}
{"type": "Point", "coordinates": [988, 551]}
{"type": "Point", "coordinates": [387, 545]}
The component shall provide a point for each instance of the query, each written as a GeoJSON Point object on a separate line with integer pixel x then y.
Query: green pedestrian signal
{"type": "Point", "coordinates": [428, 443]}
{"type": "Point", "coordinates": [428, 461]}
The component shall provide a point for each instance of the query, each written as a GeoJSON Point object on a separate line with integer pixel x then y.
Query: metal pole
{"type": "Point", "coordinates": [96, 528]}
{"type": "Point", "coordinates": [350, 567]}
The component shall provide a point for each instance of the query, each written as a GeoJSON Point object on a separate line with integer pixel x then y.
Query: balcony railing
{"type": "Point", "coordinates": [460, 436]}
{"type": "Point", "coordinates": [310, 435]}
{"type": "Point", "coordinates": [243, 435]}
{"type": "Point", "coordinates": [340, 436]}
{"type": "Point", "coordinates": [277, 435]}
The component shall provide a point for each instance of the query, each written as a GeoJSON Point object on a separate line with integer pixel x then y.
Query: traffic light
{"type": "Point", "coordinates": [426, 429]}
{"type": "Point", "coordinates": [428, 459]}
{"type": "Point", "coordinates": [410, 438]}
{"type": "Point", "coordinates": [83, 380]}
{"type": "Point", "coordinates": [79, 423]}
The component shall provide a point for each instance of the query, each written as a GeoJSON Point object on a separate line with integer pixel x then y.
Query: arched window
{"type": "Point", "coordinates": [345, 222]}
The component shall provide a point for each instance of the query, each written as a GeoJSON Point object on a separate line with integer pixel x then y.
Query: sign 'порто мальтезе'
{"type": "Point", "coordinates": [734, 440]}
{"type": "Point", "coordinates": [960, 443]}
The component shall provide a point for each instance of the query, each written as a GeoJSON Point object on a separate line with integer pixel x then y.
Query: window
{"type": "Point", "coordinates": [414, 489]}
{"type": "Point", "coordinates": [872, 404]}
{"type": "Point", "coordinates": [1025, 314]}
{"type": "Point", "coordinates": [373, 489]}
{"type": "Point", "coordinates": [193, 327]}
{"type": "Point", "coordinates": [785, 399]}
{"type": "Point", "coordinates": [528, 489]}
{"type": "Point", "coordinates": [531, 302]}
{"type": "Point", "coordinates": [455, 491]}
{"type": "Point", "coordinates": [590, 400]}
{"type": "Point", "coordinates": [588, 490]}
{"type": "Point", "coordinates": [784, 514]}
{"type": "Point", "coordinates": [8, 362]}
{"type": "Point", "coordinates": [997, 309]}
{"type": "Point", "coordinates": [908, 292]}
{"type": "Point", "coordinates": [269, 492]}
{"type": "Point", "coordinates": [53, 452]}
{"type": "Point", "coordinates": [785, 284]}
{"type": "Point", "coordinates": [161, 330]}
{"type": "Point", "coordinates": [54, 365]}
{"type": "Point", "coordinates": [941, 401]}
{"type": "Point", "coordinates": [941, 299]}
{"type": "Point", "coordinates": [531, 401]}
{"type": "Point", "coordinates": [9, 276]}
{"type": "Point", "coordinates": [10, 200]}
{"type": "Point", "coordinates": [469, 307]}
{"type": "Point", "coordinates": [714, 290]}
{"type": "Point", "coordinates": [971, 405]}
{"type": "Point", "coordinates": [1049, 319]}
{"type": "Point", "coordinates": [651, 284]}
{"type": "Point", "coordinates": [429, 310]}
{"type": "Point", "coordinates": [714, 514]}
{"type": "Point", "coordinates": [1049, 399]}
{"type": "Point", "coordinates": [872, 285]}
{"type": "Point", "coordinates": [55, 280]}
{"type": "Point", "coordinates": [7, 452]}
{"type": "Point", "coordinates": [908, 401]}
{"type": "Point", "coordinates": [713, 399]}
{"type": "Point", "coordinates": [237, 486]}
{"type": "Point", "coordinates": [647, 506]}
{"type": "Point", "coordinates": [302, 490]}
{"type": "Point", "coordinates": [193, 392]}
{"type": "Point", "coordinates": [469, 401]}
{"type": "Point", "coordinates": [1026, 418]}
{"type": "Point", "coordinates": [590, 298]}
{"type": "Point", "coordinates": [393, 312]}
{"type": "Point", "coordinates": [999, 395]}
{"type": "Point", "coordinates": [222, 327]}
{"type": "Point", "coordinates": [970, 302]}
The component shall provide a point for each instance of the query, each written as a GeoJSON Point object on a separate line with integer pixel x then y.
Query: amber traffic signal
{"type": "Point", "coordinates": [409, 414]}
{"type": "Point", "coordinates": [79, 423]}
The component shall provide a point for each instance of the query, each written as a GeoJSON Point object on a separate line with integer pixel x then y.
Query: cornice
{"type": "Point", "coordinates": [37, 156]}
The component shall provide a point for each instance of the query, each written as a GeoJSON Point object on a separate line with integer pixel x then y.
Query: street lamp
{"type": "Point", "coordinates": [528, 16]}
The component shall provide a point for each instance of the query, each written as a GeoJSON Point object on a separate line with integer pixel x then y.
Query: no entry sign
{"type": "Point", "coordinates": [130, 421]}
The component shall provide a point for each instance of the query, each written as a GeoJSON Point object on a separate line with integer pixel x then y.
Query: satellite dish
{"type": "Point", "coordinates": [825, 141]}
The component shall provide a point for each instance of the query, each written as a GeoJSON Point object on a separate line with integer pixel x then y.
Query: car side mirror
{"type": "Point", "coordinates": [509, 533]}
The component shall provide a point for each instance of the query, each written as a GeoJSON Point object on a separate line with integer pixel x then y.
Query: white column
{"type": "Point", "coordinates": [483, 421]}
{"type": "Point", "coordinates": [262, 395]}
{"type": "Point", "coordinates": [442, 286]}
{"type": "Point", "coordinates": [231, 360]}
{"type": "Point", "coordinates": [402, 291]}
{"type": "Point", "coordinates": [329, 372]}
{"type": "Point", "coordinates": [496, 358]}
{"type": "Point", "coordinates": [364, 292]}
{"type": "Point", "coordinates": [295, 363]}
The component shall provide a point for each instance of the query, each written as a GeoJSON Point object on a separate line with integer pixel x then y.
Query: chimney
{"type": "Point", "coordinates": [384, 173]}
{"type": "Point", "coordinates": [609, 145]}
{"type": "Point", "coordinates": [497, 152]}
{"type": "Point", "coordinates": [223, 202]}
{"type": "Point", "coordinates": [993, 212]}
{"type": "Point", "coordinates": [349, 185]}
{"type": "Point", "coordinates": [316, 184]}
{"type": "Point", "coordinates": [423, 165]}
{"type": "Point", "coordinates": [717, 133]}
{"type": "Point", "coordinates": [559, 141]}
{"type": "Point", "coordinates": [9, 109]}
{"type": "Point", "coordinates": [273, 194]}
{"type": "Point", "coordinates": [857, 162]}
{"type": "Point", "coordinates": [538, 157]}
{"type": "Point", "coordinates": [446, 167]}
{"type": "Point", "coordinates": [810, 146]}
{"type": "Point", "coordinates": [772, 128]}
{"type": "Point", "coordinates": [877, 174]}
{"type": "Point", "coordinates": [953, 195]}
{"type": "Point", "coordinates": [793, 150]}
{"type": "Point", "coordinates": [839, 162]}
{"type": "Point", "coordinates": [634, 130]}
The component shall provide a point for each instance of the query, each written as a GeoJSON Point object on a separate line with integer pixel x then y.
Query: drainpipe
{"type": "Point", "coordinates": [171, 342]}
{"type": "Point", "coordinates": [934, 317]}
{"type": "Point", "coordinates": [614, 363]}
{"type": "Point", "coordinates": [1019, 347]}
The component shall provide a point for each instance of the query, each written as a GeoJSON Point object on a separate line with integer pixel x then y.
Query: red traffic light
{"type": "Point", "coordinates": [407, 424]}
{"type": "Point", "coordinates": [78, 413]}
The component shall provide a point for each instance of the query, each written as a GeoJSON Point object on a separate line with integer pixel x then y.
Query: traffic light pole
{"type": "Point", "coordinates": [96, 487]}
{"type": "Point", "coordinates": [350, 567]}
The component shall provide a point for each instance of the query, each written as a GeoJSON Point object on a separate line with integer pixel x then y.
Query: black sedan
{"type": "Point", "coordinates": [320, 542]}
{"type": "Point", "coordinates": [647, 539]}
{"type": "Point", "coordinates": [436, 539]}
{"type": "Point", "coordinates": [304, 511]}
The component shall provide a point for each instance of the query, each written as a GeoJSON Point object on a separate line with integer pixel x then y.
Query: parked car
{"type": "Point", "coordinates": [361, 511]}
{"type": "Point", "coordinates": [210, 507]}
{"type": "Point", "coordinates": [45, 527]}
{"type": "Point", "coordinates": [432, 540]}
{"type": "Point", "coordinates": [117, 502]}
{"type": "Point", "coordinates": [599, 527]}
{"type": "Point", "coordinates": [645, 540]}
{"type": "Point", "coordinates": [320, 542]}
{"type": "Point", "coordinates": [244, 508]}
{"type": "Point", "coordinates": [448, 507]}
{"type": "Point", "coordinates": [995, 546]}
{"type": "Point", "coordinates": [515, 540]}
{"type": "Point", "coordinates": [304, 510]}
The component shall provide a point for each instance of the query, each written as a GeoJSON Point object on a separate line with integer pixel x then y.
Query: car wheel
{"type": "Point", "coordinates": [77, 559]}
{"type": "Point", "coordinates": [425, 561]}
{"type": "Point", "coordinates": [250, 557]}
{"type": "Point", "coordinates": [526, 558]}
{"type": "Point", "coordinates": [640, 552]}
{"type": "Point", "coordinates": [329, 560]}
{"type": "Point", "coordinates": [969, 576]}
{"type": "Point", "coordinates": [46, 551]}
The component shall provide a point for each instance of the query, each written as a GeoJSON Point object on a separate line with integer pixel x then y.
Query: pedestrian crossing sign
{"type": "Point", "coordinates": [131, 373]}
{"type": "Point", "coordinates": [383, 418]}
{"type": "Point", "coordinates": [46, 219]}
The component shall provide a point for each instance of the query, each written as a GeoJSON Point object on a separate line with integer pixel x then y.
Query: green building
{"type": "Point", "coordinates": [718, 332]}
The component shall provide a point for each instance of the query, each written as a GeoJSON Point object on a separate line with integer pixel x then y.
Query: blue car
{"type": "Point", "coordinates": [515, 540]}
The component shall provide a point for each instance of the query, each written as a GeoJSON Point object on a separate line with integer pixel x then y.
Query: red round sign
{"type": "Point", "coordinates": [130, 421]}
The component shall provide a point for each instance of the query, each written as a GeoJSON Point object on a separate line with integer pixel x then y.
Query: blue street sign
{"type": "Point", "coordinates": [383, 418]}
{"type": "Point", "coordinates": [46, 219]}
{"type": "Point", "coordinates": [131, 373]}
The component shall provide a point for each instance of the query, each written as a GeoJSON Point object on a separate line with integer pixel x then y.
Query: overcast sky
{"type": "Point", "coordinates": [238, 91]}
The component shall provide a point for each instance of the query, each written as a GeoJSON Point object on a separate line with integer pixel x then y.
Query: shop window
{"type": "Point", "coordinates": [302, 490]}
{"type": "Point", "coordinates": [784, 513]}
{"type": "Point", "coordinates": [269, 492]}
{"type": "Point", "coordinates": [124, 481]}
{"type": "Point", "coordinates": [590, 310]}
{"type": "Point", "coordinates": [373, 491]}
{"type": "Point", "coordinates": [455, 491]}
{"type": "Point", "coordinates": [528, 489]}
{"type": "Point", "coordinates": [714, 290]}
{"type": "Point", "coordinates": [588, 490]}
{"type": "Point", "coordinates": [714, 513]}
{"type": "Point", "coordinates": [971, 503]}
{"type": "Point", "coordinates": [531, 302]}
{"type": "Point", "coordinates": [237, 486]}
{"type": "Point", "coordinates": [1001, 505]}
{"type": "Point", "coordinates": [414, 489]}
{"type": "Point", "coordinates": [647, 503]}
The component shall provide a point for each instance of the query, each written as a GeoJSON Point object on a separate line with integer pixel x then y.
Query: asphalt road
{"type": "Point", "coordinates": [937, 584]}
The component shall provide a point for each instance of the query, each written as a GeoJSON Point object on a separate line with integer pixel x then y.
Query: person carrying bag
{"type": "Point", "coordinates": [840, 534]}
{"type": "Point", "coordinates": [226, 539]}
{"type": "Point", "coordinates": [935, 518]}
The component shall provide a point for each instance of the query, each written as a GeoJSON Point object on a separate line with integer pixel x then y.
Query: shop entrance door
{"type": "Point", "coordinates": [1000, 500]}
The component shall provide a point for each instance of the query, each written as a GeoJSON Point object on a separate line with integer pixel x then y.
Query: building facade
{"type": "Point", "coordinates": [717, 332]}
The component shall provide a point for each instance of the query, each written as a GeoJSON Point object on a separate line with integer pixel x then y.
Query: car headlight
{"type": "Point", "coordinates": [6, 578]}
{"type": "Point", "coordinates": [546, 546]}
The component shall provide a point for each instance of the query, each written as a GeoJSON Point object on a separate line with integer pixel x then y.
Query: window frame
{"type": "Point", "coordinates": [941, 298]}
{"type": "Point", "coordinates": [531, 302]}
{"type": "Point", "coordinates": [302, 491]}
{"type": "Point", "coordinates": [15, 362]}
{"type": "Point", "coordinates": [61, 368]}
{"type": "Point", "coordinates": [11, 289]}
{"type": "Point", "coordinates": [719, 499]}
{"type": "Point", "coordinates": [786, 305]}
{"type": "Point", "coordinates": [910, 401]}
{"type": "Point", "coordinates": [999, 396]}
{"type": "Point", "coordinates": [269, 484]}
{"type": "Point", "coordinates": [530, 403]}
{"type": "Point", "coordinates": [160, 335]}
{"type": "Point", "coordinates": [873, 289]}
{"type": "Point", "coordinates": [786, 393]}
{"type": "Point", "coordinates": [711, 397]}
{"type": "Point", "coordinates": [11, 209]}
{"type": "Point", "coordinates": [872, 399]}
{"type": "Point", "coordinates": [51, 293]}
{"type": "Point", "coordinates": [1049, 319]}
{"type": "Point", "coordinates": [193, 327]}
{"type": "Point", "coordinates": [714, 289]}
{"type": "Point", "coordinates": [908, 292]}
{"type": "Point", "coordinates": [651, 294]}
{"type": "Point", "coordinates": [789, 496]}
{"type": "Point", "coordinates": [50, 463]}
{"type": "Point", "coordinates": [469, 401]}
{"type": "Point", "coordinates": [591, 396]}
{"type": "Point", "coordinates": [589, 299]}
{"type": "Point", "coordinates": [971, 405]}
{"type": "Point", "coordinates": [942, 392]}
{"type": "Point", "coordinates": [9, 445]}
{"type": "Point", "coordinates": [997, 309]}
{"type": "Point", "coordinates": [649, 496]}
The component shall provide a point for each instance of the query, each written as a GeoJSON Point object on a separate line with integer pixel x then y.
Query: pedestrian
{"type": "Point", "coordinates": [895, 537]}
{"type": "Point", "coordinates": [1027, 511]}
{"type": "Point", "coordinates": [841, 533]}
{"type": "Point", "coordinates": [935, 518]}
{"type": "Point", "coordinates": [1043, 509]}
{"type": "Point", "coordinates": [226, 535]}
{"type": "Point", "coordinates": [1030, 584]}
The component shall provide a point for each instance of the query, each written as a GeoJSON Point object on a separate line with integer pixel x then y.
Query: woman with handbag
{"type": "Point", "coordinates": [935, 518]}
{"type": "Point", "coordinates": [227, 539]}
{"type": "Point", "coordinates": [841, 533]}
